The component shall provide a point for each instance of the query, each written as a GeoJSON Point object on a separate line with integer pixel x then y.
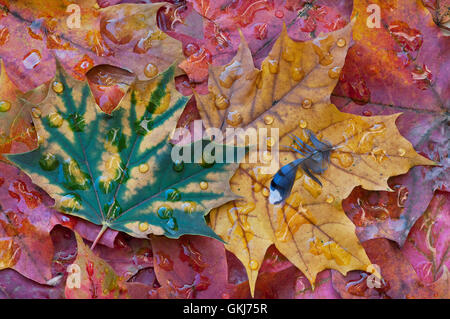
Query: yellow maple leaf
{"type": "Point", "coordinates": [292, 92]}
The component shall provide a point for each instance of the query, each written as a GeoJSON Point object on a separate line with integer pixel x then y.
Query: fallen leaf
{"type": "Point", "coordinates": [292, 93]}
{"type": "Point", "coordinates": [90, 277]}
{"type": "Point", "coordinates": [402, 67]}
{"type": "Point", "coordinates": [17, 133]}
{"type": "Point", "coordinates": [26, 219]}
{"type": "Point", "coordinates": [427, 245]}
{"type": "Point", "coordinates": [117, 171]}
{"type": "Point", "coordinates": [128, 256]}
{"type": "Point", "coordinates": [279, 279]}
{"type": "Point", "coordinates": [109, 85]}
{"type": "Point", "coordinates": [15, 286]}
{"type": "Point", "coordinates": [126, 36]}
{"type": "Point", "coordinates": [260, 22]}
{"type": "Point", "coordinates": [190, 267]}
{"type": "Point", "coordinates": [399, 278]}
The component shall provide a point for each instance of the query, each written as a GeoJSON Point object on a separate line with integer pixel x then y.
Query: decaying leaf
{"type": "Point", "coordinates": [81, 35]}
{"type": "Point", "coordinates": [279, 279]}
{"type": "Point", "coordinates": [17, 133]}
{"type": "Point", "coordinates": [190, 267]}
{"type": "Point", "coordinates": [428, 242]}
{"type": "Point", "coordinates": [117, 170]}
{"type": "Point", "coordinates": [90, 277]}
{"type": "Point", "coordinates": [292, 93]}
{"type": "Point", "coordinates": [26, 219]}
{"type": "Point", "coordinates": [402, 66]}
{"type": "Point", "coordinates": [399, 278]}
{"type": "Point", "coordinates": [260, 22]}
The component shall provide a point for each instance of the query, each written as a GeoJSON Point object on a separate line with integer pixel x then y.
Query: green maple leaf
{"type": "Point", "coordinates": [116, 170]}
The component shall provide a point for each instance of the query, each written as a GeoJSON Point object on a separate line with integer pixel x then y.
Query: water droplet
{"type": "Point", "coordinates": [173, 195]}
{"type": "Point", "coordinates": [74, 177]}
{"type": "Point", "coordinates": [77, 122]}
{"type": "Point", "coordinates": [345, 159]}
{"type": "Point", "coordinates": [297, 73]}
{"type": "Point", "coordinates": [55, 120]}
{"type": "Point", "coordinates": [4, 35]}
{"type": "Point", "coordinates": [326, 60]}
{"type": "Point", "coordinates": [307, 103]}
{"type": "Point", "coordinates": [150, 70]}
{"type": "Point", "coordinates": [401, 151]}
{"type": "Point", "coordinates": [253, 264]}
{"type": "Point", "coordinates": [288, 54]}
{"type": "Point", "coordinates": [57, 87]}
{"type": "Point", "coordinates": [273, 66]}
{"type": "Point", "coordinates": [221, 102]}
{"type": "Point", "coordinates": [165, 212]}
{"type": "Point", "coordinates": [32, 59]}
{"type": "Point", "coordinates": [311, 186]}
{"type": "Point", "coordinates": [70, 202]}
{"type": "Point", "coordinates": [267, 156]}
{"type": "Point", "coordinates": [234, 118]}
{"type": "Point", "coordinates": [189, 207]}
{"type": "Point", "coordinates": [143, 168]}
{"type": "Point", "coordinates": [330, 199]}
{"type": "Point", "coordinates": [5, 106]}
{"type": "Point", "coordinates": [261, 31]}
{"type": "Point", "coordinates": [231, 73]}
{"type": "Point", "coordinates": [266, 192]}
{"type": "Point", "coordinates": [270, 141]}
{"type": "Point", "coordinates": [268, 119]}
{"type": "Point", "coordinates": [303, 124]}
{"type": "Point", "coordinates": [190, 49]}
{"type": "Point", "coordinates": [178, 166]}
{"type": "Point", "coordinates": [279, 14]}
{"type": "Point", "coordinates": [341, 42]}
{"type": "Point", "coordinates": [143, 227]}
{"type": "Point", "coordinates": [48, 162]}
{"type": "Point", "coordinates": [203, 185]}
{"type": "Point", "coordinates": [36, 112]}
{"type": "Point", "coordinates": [377, 128]}
{"type": "Point", "coordinates": [172, 224]}
{"type": "Point", "coordinates": [333, 73]}
{"type": "Point", "coordinates": [378, 154]}
{"type": "Point", "coordinates": [257, 187]}
{"type": "Point", "coordinates": [84, 65]}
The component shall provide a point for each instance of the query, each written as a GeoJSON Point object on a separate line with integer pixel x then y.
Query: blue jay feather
{"type": "Point", "coordinates": [315, 160]}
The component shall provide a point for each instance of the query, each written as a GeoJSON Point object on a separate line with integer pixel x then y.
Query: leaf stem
{"type": "Point", "coordinates": [102, 231]}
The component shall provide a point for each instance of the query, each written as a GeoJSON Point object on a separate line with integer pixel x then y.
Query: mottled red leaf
{"type": "Point", "coordinates": [190, 267]}
{"type": "Point", "coordinates": [403, 67]}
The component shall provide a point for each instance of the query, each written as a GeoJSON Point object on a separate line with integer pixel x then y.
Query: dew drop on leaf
{"type": "Point", "coordinates": [268, 119]}
{"type": "Point", "coordinates": [178, 166]}
{"type": "Point", "coordinates": [143, 168]}
{"type": "Point", "coordinates": [48, 162]}
{"type": "Point", "coordinates": [221, 102]}
{"type": "Point", "coordinates": [234, 118]}
{"type": "Point", "coordinates": [55, 120]}
{"type": "Point", "coordinates": [57, 87]}
{"type": "Point", "coordinates": [203, 185]}
{"type": "Point", "coordinates": [32, 59]}
{"type": "Point", "coordinates": [165, 212]}
{"type": "Point", "coordinates": [151, 70]}
{"type": "Point", "coordinates": [173, 195]}
{"type": "Point", "coordinates": [5, 106]}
